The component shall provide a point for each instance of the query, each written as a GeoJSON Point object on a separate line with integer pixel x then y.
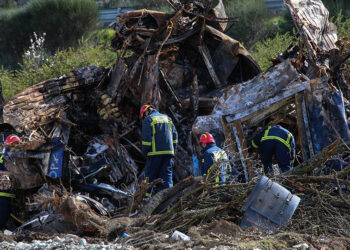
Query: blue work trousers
{"type": "Point", "coordinates": [160, 166]}
{"type": "Point", "coordinates": [282, 154]}
{"type": "Point", "coordinates": [5, 211]}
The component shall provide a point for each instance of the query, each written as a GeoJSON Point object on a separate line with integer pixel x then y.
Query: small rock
{"type": "Point", "coordinates": [302, 246]}
{"type": "Point", "coordinates": [22, 245]}
{"type": "Point", "coordinates": [57, 239]}
{"type": "Point", "coordinates": [7, 232]}
{"type": "Point", "coordinates": [82, 242]}
{"type": "Point", "coordinates": [72, 237]}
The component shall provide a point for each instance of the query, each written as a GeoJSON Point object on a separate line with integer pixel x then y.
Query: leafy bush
{"type": "Point", "coordinates": [34, 70]}
{"type": "Point", "coordinates": [343, 25]}
{"type": "Point", "coordinates": [271, 47]}
{"type": "Point", "coordinates": [63, 21]}
{"type": "Point", "coordinates": [106, 37]}
{"type": "Point", "coordinates": [253, 22]}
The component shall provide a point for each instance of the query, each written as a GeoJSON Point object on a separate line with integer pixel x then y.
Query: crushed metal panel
{"type": "Point", "coordinates": [326, 114]}
{"type": "Point", "coordinates": [311, 20]}
{"type": "Point", "coordinates": [220, 14]}
{"type": "Point", "coordinates": [244, 99]}
{"type": "Point", "coordinates": [236, 51]}
{"type": "Point", "coordinates": [239, 99]}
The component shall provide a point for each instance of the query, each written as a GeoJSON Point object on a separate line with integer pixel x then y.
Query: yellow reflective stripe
{"type": "Point", "coordinates": [175, 141]}
{"type": "Point", "coordinates": [146, 143]}
{"type": "Point", "coordinates": [148, 194]}
{"type": "Point", "coordinates": [147, 179]}
{"type": "Point", "coordinates": [159, 119]}
{"type": "Point", "coordinates": [170, 152]}
{"type": "Point", "coordinates": [203, 160]}
{"type": "Point", "coordinates": [277, 138]}
{"type": "Point", "coordinates": [267, 131]}
{"type": "Point", "coordinates": [217, 179]}
{"type": "Point", "coordinates": [219, 155]}
{"type": "Point", "coordinates": [153, 138]}
{"type": "Point", "coordinates": [7, 195]}
{"type": "Point", "coordinates": [288, 139]}
{"type": "Point", "coordinates": [1, 159]}
{"type": "Point", "coordinates": [254, 145]}
{"type": "Point", "coordinates": [15, 218]}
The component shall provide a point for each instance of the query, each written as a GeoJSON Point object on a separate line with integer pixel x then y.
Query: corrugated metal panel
{"type": "Point", "coordinates": [275, 4]}
{"type": "Point", "coordinates": [108, 15]}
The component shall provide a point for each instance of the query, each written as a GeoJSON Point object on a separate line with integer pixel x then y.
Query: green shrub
{"type": "Point", "coordinates": [7, 3]}
{"type": "Point", "coordinates": [253, 22]}
{"type": "Point", "coordinates": [33, 71]}
{"type": "Point", "coordinates": [63, 21]}
{"type": "Point", "coordinates": [271, 47]}
{"type": "Point", "coordinates": [106, 38]}
{"type": "Point", "coordinates": [343, 25]}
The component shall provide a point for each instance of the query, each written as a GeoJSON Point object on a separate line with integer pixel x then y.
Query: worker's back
{"type": "Point", "coordinates": [159, 134]}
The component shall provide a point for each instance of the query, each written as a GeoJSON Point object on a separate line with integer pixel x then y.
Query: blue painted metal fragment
{"type": "Point", "coordinates": [268, 206]}
{"type": "Point", "coordinates": [56, 159]}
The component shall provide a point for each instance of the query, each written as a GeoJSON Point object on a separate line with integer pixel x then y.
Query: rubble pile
{"type": "Point", "coordinates": [79, 163]}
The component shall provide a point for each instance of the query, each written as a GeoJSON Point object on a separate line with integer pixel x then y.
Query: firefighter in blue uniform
{"type": "Point", "coordinates": [159, 140]}
{"type": "Point", "coordinates": [6, 194]}
{"type": "Point", "coordinates": [214, 164]}
{"type": "Point", "coordinates": [277, 141]}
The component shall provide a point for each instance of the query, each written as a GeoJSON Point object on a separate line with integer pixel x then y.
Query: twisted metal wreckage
{"type": "Point", "coordinates": [81, 132]}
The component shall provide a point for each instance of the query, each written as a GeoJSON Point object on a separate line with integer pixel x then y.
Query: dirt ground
{"type": "Point", "coordinates": [219, 234]}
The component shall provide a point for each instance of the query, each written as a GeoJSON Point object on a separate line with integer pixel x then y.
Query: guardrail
{"type": "Point", "coordinates": [275, 4]}
{"type": "Point", "coordinates": [108, 15]}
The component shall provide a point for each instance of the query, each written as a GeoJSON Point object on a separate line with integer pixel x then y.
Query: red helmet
{"type": "Point", "coordinates": [207, 138]}
{"type": "Point", "coordinates": [145, 108]}
{"type": "Point", "coordinates": [12, 138]}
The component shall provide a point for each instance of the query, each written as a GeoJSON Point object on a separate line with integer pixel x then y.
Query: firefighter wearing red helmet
{"type": "Point", "coordinates": [159, 140]}
{"type": "Point", "coordinates": [10, 139]}
{"type": "Point", "coordinates": [6, 193]}
{"type": "Point", "coordinates": [214, 160]}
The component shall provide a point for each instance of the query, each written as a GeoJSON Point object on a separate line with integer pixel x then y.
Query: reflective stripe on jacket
{"type": "Point", "coordinates": [6, 194]}
{"type": "Point", "coordinates": [159, 136]}
{"type": "Point", "coordinates": [212, 156]}
{"type": "Point", "coordinates": [276, 133]}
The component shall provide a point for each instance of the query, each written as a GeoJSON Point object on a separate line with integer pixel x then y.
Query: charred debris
{"type": "Point", "coordinates": [79, 163]}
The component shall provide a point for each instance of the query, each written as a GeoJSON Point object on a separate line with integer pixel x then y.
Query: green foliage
{"type": "Point", "coordinates": [343, 25]}
{"type": "Point", "coordinates": [7, 3]}
{"type": "Point", "coordinates": [33, 71]}
{"type": "Point", "coordinates": [106, 37]}
{"type": "Point", "coordinates": [283, 22]}
{"type": "Point", "coordinates": [271, 47]}
{"type": "Point", "coordinates": [253, 24]}
{"type": "Point", "coordinates": [63, 21]}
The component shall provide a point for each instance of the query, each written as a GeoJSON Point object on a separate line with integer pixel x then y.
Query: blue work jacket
{"type": "Point", "coordinates": [276, 133]}
{"type": "Point", "coordinates": [159, 136]}
{"type": "Point", "coordinates": [213, 155]}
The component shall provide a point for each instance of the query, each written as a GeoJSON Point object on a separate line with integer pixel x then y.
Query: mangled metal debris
{"type": "Point", "coordinates": [81, 134]}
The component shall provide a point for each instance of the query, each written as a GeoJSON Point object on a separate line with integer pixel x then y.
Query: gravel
{"type": "Point", "coordinates": [70, 241]}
